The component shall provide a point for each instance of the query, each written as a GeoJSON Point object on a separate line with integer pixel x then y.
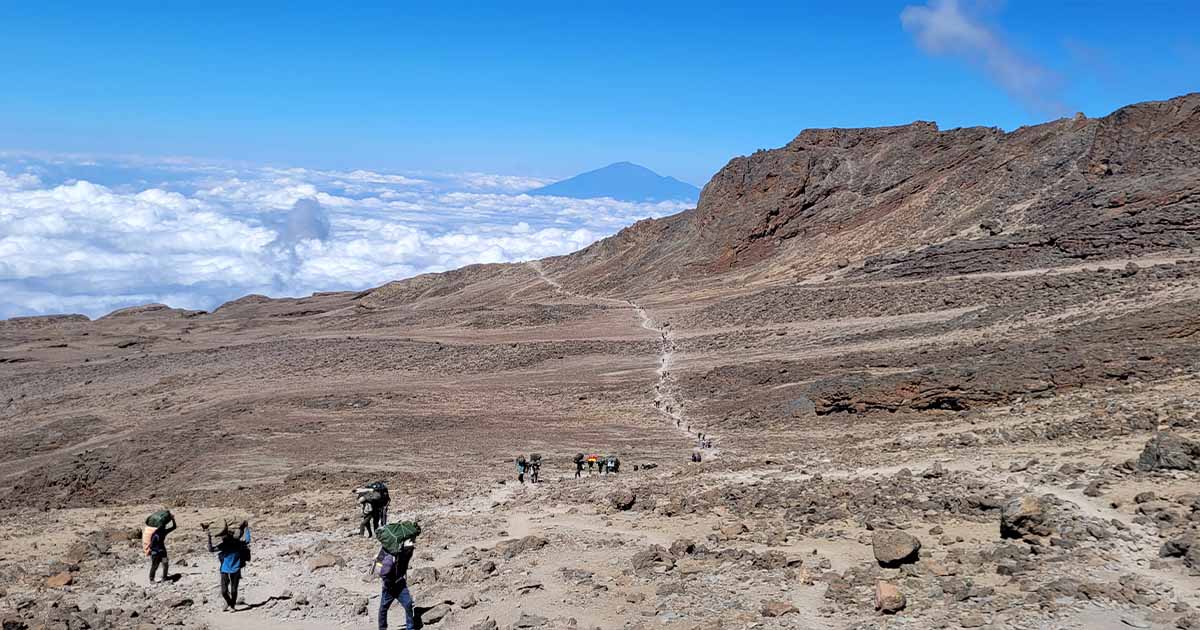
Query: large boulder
{"type": "Point", "coordinates": [888, 599]}
{"type": "Point", "coordinates": [653, 558]}
{"type": "Point", "coordinates": [1024, 517]}
{"type": "Point", "coordinates": [893, 547]}
{"type": "Point", "coordinates": [1170, 452]}
{"type": "Point", "coordinates": [622, 499]}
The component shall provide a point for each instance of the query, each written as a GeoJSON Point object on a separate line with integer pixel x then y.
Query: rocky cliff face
{"type": "Point", "coordinates": [913, 200]}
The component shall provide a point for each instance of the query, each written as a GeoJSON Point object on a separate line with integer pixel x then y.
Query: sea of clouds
{"type": "Point", "coordinates": [86, 235]}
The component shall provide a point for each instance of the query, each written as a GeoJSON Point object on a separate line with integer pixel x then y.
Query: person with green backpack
{"type": "Point", "coordinates": [160, 523]}
{"type": "Point", "coordinates": [398, 545]}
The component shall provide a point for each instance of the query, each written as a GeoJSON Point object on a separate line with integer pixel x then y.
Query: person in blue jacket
{"type": "Point", "coordinates": [232, 552]}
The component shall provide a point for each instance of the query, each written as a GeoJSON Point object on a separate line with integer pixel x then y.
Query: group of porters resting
{"type": "Point", "coordinates": [604, 464]}
{"type": "Point", "coordinates": [232, 547]}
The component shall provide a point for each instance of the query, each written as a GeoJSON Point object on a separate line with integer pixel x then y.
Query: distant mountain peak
{"type": "Point", "coordinates": [624, 181]}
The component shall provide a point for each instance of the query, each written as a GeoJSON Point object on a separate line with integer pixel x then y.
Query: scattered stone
{"type": "Point", "coordinates": [323, 560]}
{"type": "Point", "coordinates": [888, 599]}
{"type": "Point", "coordinates": [622, 499]}
{"type": "Point", "coordinates": [893, 547]}
{"type": "Point", "coordinates": [527, 620]}
{"type": "Point", "coordinates": [435, 614]}
{"type": "Point", "coordinates": [516, 546]}
{"type": "Point", "coordinates": [60, 580]}
{"type": "Point", "coordinates": [775, 608]}
{"type": "Point", "coordinates": [1024, 517]}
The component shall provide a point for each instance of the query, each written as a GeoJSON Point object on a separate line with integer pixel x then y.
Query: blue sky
{"type": "Point", "coordinates": [193, 152]}
{"type": "Point", "coordinates": [552, 89]}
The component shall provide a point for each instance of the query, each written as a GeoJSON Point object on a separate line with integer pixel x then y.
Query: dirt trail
{"type": "Point", "coordinates": [666, 398]}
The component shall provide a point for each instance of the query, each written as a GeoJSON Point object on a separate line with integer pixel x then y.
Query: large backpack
{"type": "Point", "coordinates": [393, 535]}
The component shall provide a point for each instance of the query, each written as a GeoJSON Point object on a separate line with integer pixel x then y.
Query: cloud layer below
{"type": "Point", "coordinates": [85, 236]}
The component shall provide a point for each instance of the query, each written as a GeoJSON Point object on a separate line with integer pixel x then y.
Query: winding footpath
{"type": "Point", "coordinates": [667, 401]}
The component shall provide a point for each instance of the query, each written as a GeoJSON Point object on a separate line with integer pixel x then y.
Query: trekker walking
{"type": "Point", "coordinates": [157, 549]}
{"type": "Point", "coordinates": [578, 465]}
{"type": "Point", "coordinates": [366, 527]}
{"type": "Point", "coordinates": [521, 468]}
{"type": "Point", "coordinates": [232, 552]}
{"type": "Point", "coordinates": [392, 566]}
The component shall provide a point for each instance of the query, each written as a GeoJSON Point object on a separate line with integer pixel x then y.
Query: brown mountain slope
{"type": "Point", "coordinates": [916, 200]}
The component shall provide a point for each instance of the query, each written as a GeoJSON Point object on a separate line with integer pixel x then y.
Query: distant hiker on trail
{"type": "Point", "coordinates": [535, 468]}
{"type": "Point", "coordinates": [398, 546]}
{"type": "Point", "coordinates": [578, 465]}
{"type": "Point", "coordinates": [373, 500]}
{"type": "Point", "coordinates": [366, 527]}
{"type": "Point", "coordinates": [156, 543]}
{"type": "Point", "coordinates": [696, 456]}
{"type": "Point", "coordinates": [591, 462]}
{"type": "Point", "coordinates": [521, 466]}
{"type": "Point", "coordinates": [232, 552]}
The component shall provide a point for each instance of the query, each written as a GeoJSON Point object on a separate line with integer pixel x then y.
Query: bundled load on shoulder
{"type": "Point", "coordinates": [393, 535]}
{"type": "Point", "coordinates": [375, 494]}
{"type": "Point", "coordinates": [578, 458]}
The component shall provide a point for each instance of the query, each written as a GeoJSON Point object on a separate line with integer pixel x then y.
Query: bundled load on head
{"type": "Point", "coordinates": [578, 458]}
{"type": "Point", "coordinates": [158, 519]}
{"type": "Point", "coordinates": [394, 535]}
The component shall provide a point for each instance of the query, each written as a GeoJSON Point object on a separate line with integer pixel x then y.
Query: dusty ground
{"type": "Point", "coordinates": [273, 411]}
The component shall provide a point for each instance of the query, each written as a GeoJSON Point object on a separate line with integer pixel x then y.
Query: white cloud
{"type": "Point", "coordinates": [208, 234]}
{"type": "Point", "coordinates": [943, 28]}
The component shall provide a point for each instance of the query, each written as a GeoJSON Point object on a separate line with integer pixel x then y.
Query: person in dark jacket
{"type": "Point", "coordinates": [158, 549]}
{"type": "Point", "coordinates": [232, 552]}
{"type": "Point", "coordinates": [393, 574]}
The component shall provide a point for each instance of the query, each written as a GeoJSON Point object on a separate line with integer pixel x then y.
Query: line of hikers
{"type": "Point", "coordinates": [603, 464]}
{"type": "Point", "coordinates": [532, 466]}
{"type": "Point", "coordinates": [397, 546]}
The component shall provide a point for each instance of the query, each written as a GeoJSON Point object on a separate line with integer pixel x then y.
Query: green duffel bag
{"type": "Point", "coordinates": [393, 535]}
{"type": "Point", "coordinates": [159, 518]}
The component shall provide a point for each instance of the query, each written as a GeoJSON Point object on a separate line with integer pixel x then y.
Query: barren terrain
{"type": "Point", "coordinates": [951, 379]}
